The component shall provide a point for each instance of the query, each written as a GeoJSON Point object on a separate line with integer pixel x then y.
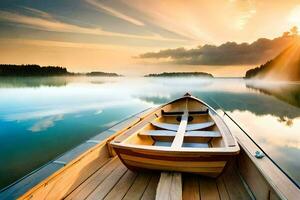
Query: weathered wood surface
{"type": "Point", "coordinates": [169, 186]}
{"type": "Point", "coordinates": [114, 181]}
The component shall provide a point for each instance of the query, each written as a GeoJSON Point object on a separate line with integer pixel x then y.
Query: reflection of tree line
{"type": "Point", "coordinates": [33, 81]}
{"type": "Point", "coordinates": [256, 103]}
{"type": "Point", "coordinates": [53, 81]}
{"type": "Point", "coordinates": [289, 93]}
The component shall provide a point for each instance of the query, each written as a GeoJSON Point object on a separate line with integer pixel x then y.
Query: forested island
{"type": "Point", "coordinates": [102, 74]}
{"type": "Point", "coordinates": [181, 74]}
{"type": "Point", "coordinates": [32, 70]}
{"type": "Point", "coordinates": [8, 70]}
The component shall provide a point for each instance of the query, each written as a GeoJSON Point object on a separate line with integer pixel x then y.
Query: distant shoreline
{"type": "Point", "coordinates": [11, 70]}
{"type": "Point", "coordinates": [181, 74]}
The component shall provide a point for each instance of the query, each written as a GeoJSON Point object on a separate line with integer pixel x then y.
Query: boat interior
{"type": "Point", "coordinates": [183, 124]}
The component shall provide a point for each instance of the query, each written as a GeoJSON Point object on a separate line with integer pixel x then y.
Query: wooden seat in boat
{"type": "Point", "coordinates": [213, 134]}
{"type": "Point", "coordinates": [198, 112]}
{"type": "Point", "coordinates": [167, 126]}
{"type": "Point", "coordinates": [190, 127]}
{"type": "Point", "coordinates": [198, 126]}
{"type": "Point", "coordinates": [164, 133]}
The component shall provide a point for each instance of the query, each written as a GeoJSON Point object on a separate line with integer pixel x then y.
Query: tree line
{"type": "Point", "coordinates": [180, 74]}
{"type": "Point", "coordinates": [32, 70]}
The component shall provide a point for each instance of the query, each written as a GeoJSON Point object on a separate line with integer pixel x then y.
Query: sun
{"type": "Point", "coordinates": [294, 17]}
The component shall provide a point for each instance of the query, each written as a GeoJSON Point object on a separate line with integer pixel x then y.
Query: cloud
{"type": "Point", "coordinates": [51, 24]}
{"type": "Point", "coordinates": [99, 6]}
{"type": "Point", "coordinates": [38, 12]}
{"type": "Point", "coordinates": [229, 53]}
{"type": "Point", "coordinates": [46, 123]}
{"type": "Point", "coordinates": [50, 112]}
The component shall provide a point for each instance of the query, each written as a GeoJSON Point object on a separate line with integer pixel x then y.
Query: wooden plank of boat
{"type": "Point", "coordinates": [211, 134]}
{"type": "Point", "coordinates": [134, 128]}
{"type": "Point", "coordinates": [198, 126]}
{"type": "Point", "coordinates": [178, 140]}
{"type": "Point", "coordinates": [229, 139]}
{"type": "Point", "coordinates": [190, 127]}
{"type": "Point", "coordinates": [164, 133]}
{"type": "Point", "coordinates": [167, 126]}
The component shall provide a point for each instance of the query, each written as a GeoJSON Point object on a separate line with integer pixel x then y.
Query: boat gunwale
{"type": "Point", "coordinates": [149, 148]}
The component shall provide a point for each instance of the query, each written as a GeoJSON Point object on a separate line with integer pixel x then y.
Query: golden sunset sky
{"type": "Point", "coordinates": [119, 36]}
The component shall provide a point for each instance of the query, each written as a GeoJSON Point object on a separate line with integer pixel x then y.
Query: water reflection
{"type": "Point", "coordinates": [280, 140]}
{"type": "Point", "coordinates": [56, 81]}
{"type": "Point", "coordinates": [41, 118]}
{"type": "Point", "coordinates": [13, 82]}
{"type": "Point", "coordinates": [288, 92]}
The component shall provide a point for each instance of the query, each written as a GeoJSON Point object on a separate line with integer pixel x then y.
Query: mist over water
{"type": "Point", "coordinates": [41, 118]}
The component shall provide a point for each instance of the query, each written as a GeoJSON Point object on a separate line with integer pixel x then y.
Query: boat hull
{"type": "Point", "coordinates": [190, 162]}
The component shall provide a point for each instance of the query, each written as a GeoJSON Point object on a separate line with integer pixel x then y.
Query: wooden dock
{"type": "Point", "coordinates": [114, 181]}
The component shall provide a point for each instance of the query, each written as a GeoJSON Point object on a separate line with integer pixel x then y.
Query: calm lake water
{"type": "Point", "coordinates": [41, 118]}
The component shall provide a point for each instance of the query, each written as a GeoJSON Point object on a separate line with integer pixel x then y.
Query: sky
{"type": "Point", "coordinates": [223, 37]}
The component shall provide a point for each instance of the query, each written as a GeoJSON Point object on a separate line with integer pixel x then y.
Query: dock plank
{"type": "Point", "coordinates": [121, 188]}
{"type": "Point", "coordinates": [176, 187]}
{"type": "Point", "coordinates": [169, 186]}
{"type": "Point", "coordinates": [191, 188]}
{"type": "Point", "coordinates": [150, 191]}
{"type": "Point", "coordinates": [107, 185]}
{"type": "Point", "coordinates": [139, 186]}
{"type": "Point", "coordinates": [222, 189]}
{"type": "Point", "coordinates": [83, 190]}
{"type": "Point", "coordinates": [234, 185]}
{"type": "Point", "coordinates": [208, 189]}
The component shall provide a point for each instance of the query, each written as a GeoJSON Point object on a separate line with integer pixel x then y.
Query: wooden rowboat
{"type": "Point", "coordinates": [185, 135]}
